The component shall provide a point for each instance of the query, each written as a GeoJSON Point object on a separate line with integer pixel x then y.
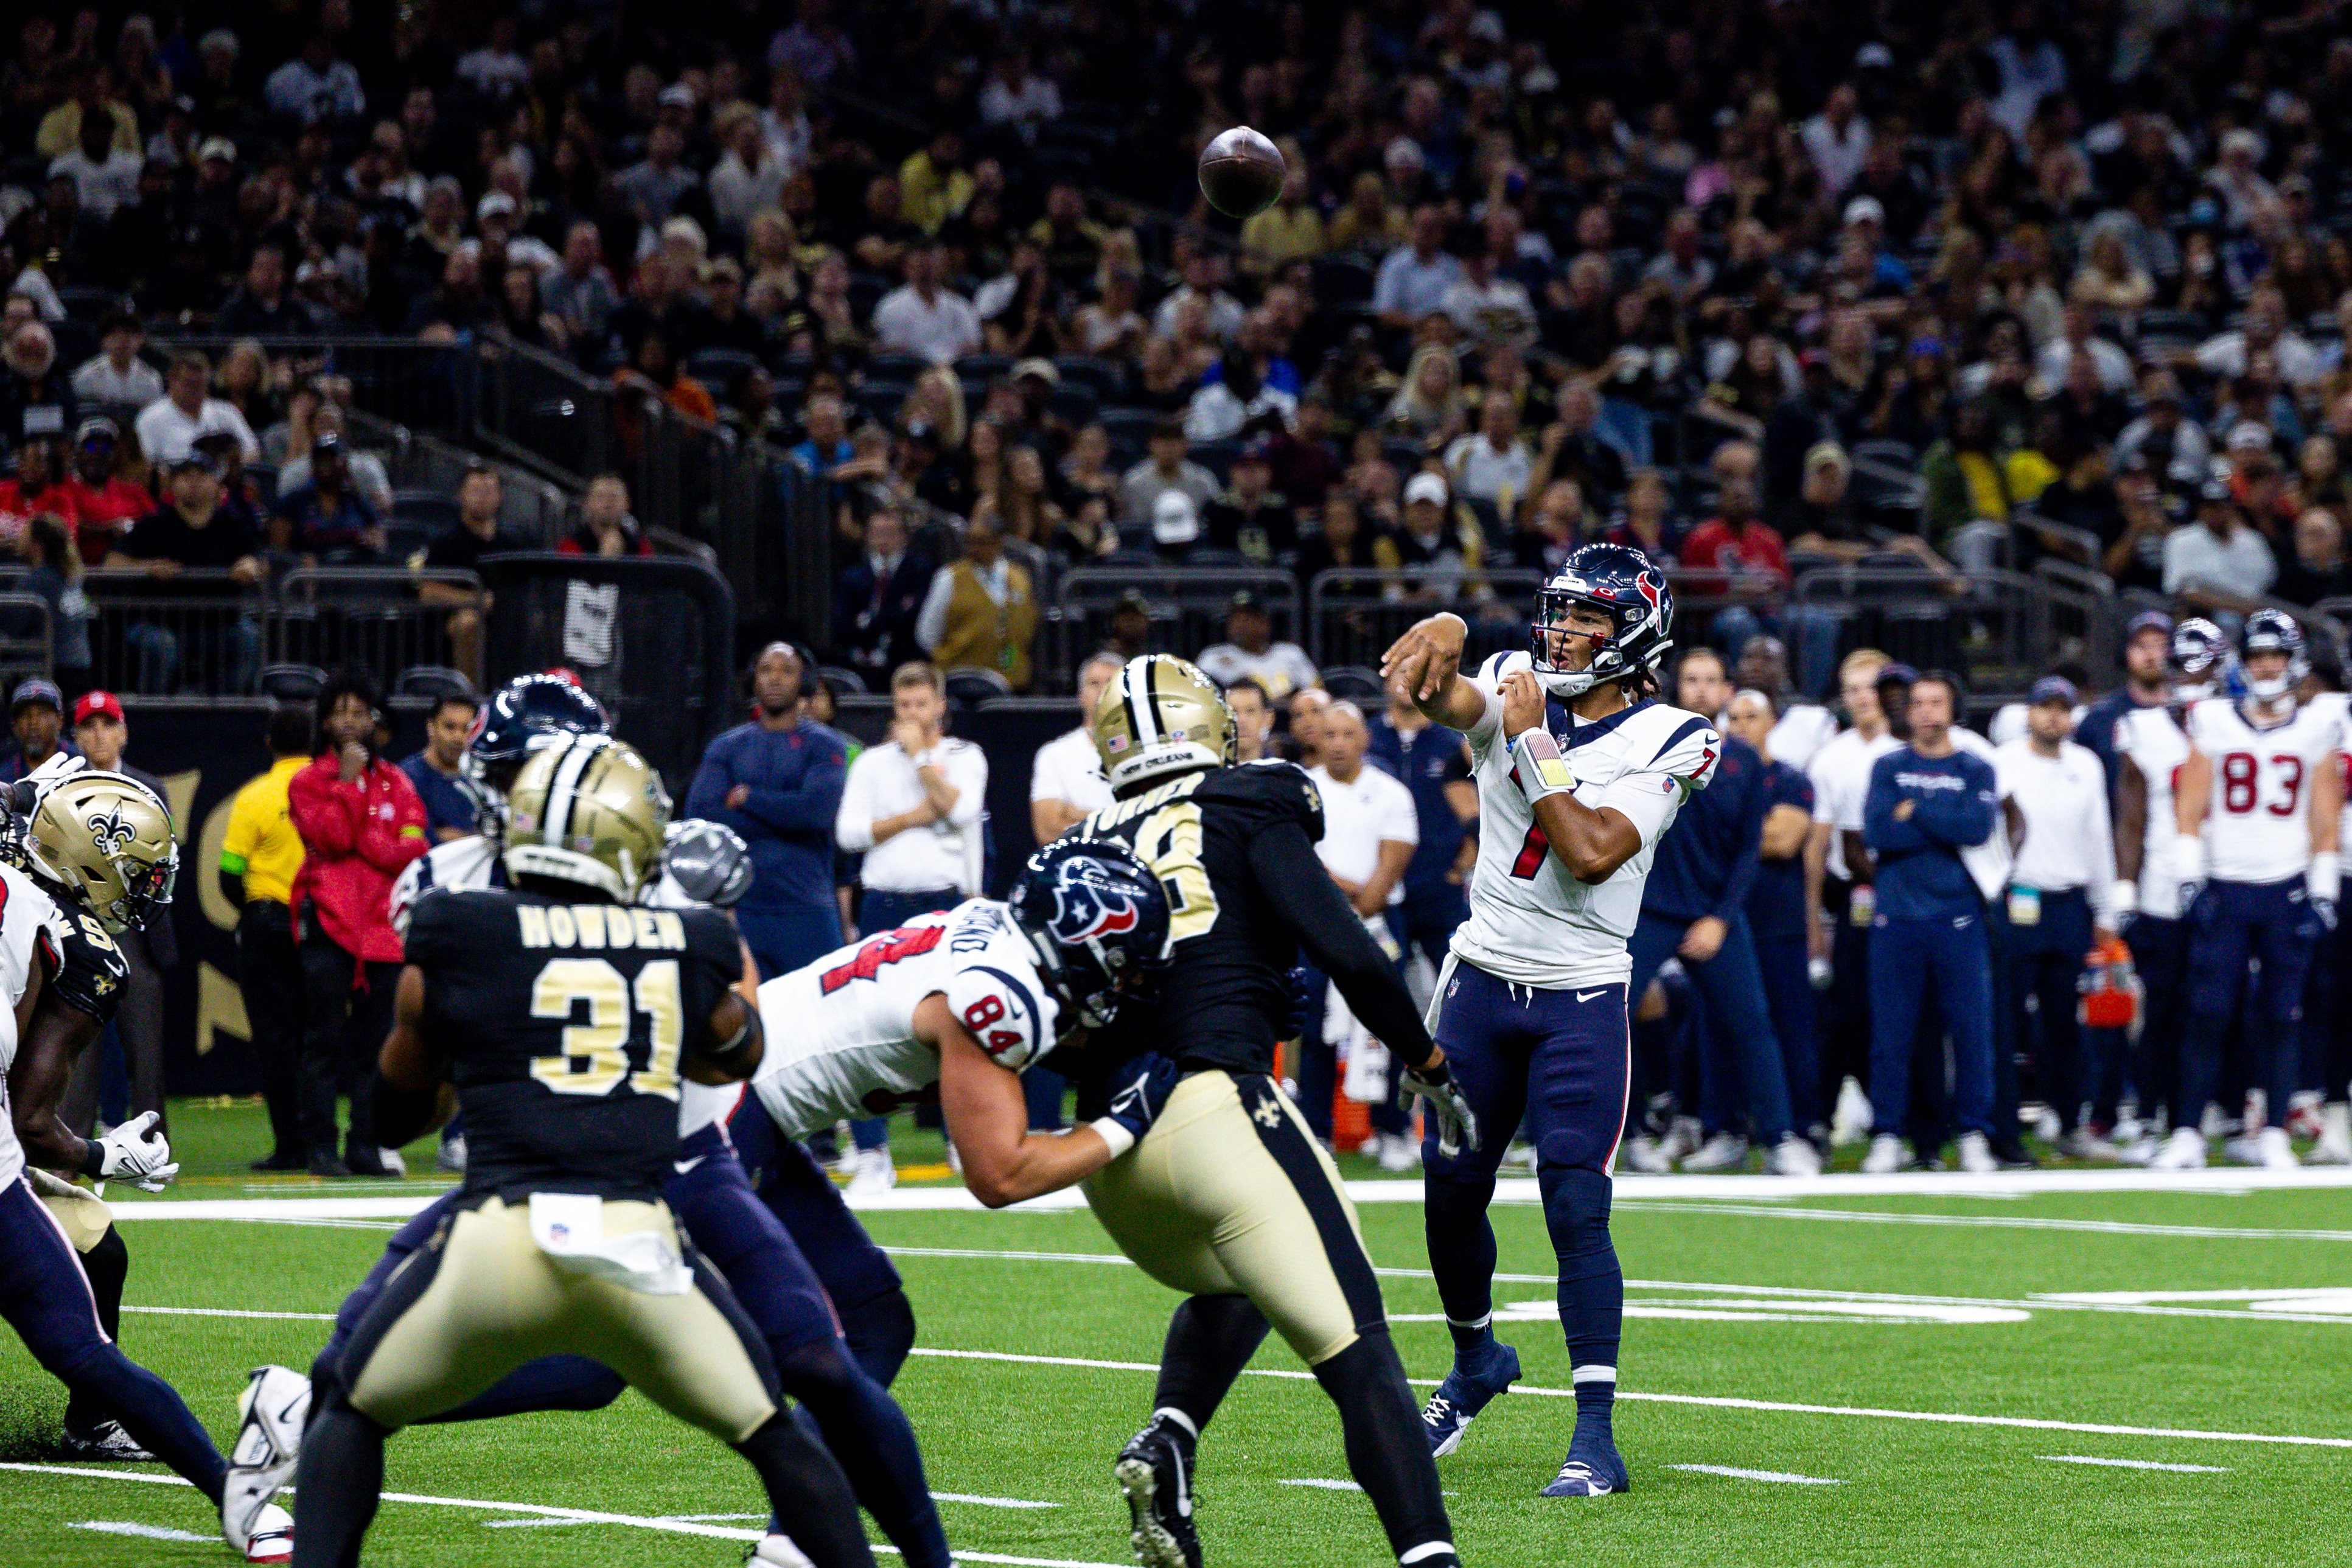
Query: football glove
{"type": "Point", "coordinates": [135, 1151]}
{"type": "Point", "coordinates": [1144, 1085]}
{"type": "Point", "coordinates": [1433, 1087]}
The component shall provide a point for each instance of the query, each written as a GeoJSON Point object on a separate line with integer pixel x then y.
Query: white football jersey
{"type": "Point", "coordinates": [841, 1031]}
{"type": "Point", "coordinates": [1530, 922]}
{"type": "Point", "coordinates": [2258, 824]}
{"type": "Point", "coordinates": [467, 865]}
{"type": "Point", "coordinates": [1840, 776]}
{"type": "Point", "coordinates": [29, 918]}
{"type": "Point", "coordinates": [2152, 741]}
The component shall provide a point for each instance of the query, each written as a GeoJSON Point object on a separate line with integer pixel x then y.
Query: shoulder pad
{"type": "Point", "coordinates": [90, 970]}
{"type": "Point", "coordinates": [1272, 785]}
{"type": "Point", "coordinates": [1686, 747]}
{"type": "Point", "coordinates": [1497, 665]}
{"type": "Point", "coordinates": [1006, 1010]}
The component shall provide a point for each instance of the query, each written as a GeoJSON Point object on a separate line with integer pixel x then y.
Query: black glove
{"type": "Point", "coordinates": [1142, 1089]}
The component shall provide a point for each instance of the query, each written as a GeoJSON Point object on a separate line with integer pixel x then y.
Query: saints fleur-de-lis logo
{"type": "Point", "coordinates": [110, 832]}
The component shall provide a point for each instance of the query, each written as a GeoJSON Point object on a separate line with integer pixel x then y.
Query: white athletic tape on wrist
{"type": "Point", "coordinates": [1114, 1133]}
{"type": "Point", "coordinates": [2124, 897]}
{"type": "Point", "coordinates": [2326, 877]}
{"type": "Point", "coordinates": [2188, 857]}
{"type": "Point", "coordinates": [1540, 768]}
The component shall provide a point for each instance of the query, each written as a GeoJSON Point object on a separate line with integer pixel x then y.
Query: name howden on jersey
{"type": "Point", "coordinates": [600, 926]}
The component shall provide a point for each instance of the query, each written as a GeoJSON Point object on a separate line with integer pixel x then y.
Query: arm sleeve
{"type": "Point", "coordinates": [323, 810]}
{"type": "Point", "coordinates": [1488, 727]}
{"type": "Point", "coordinates": [1740, 879]}
{"type": "Point", "coordinates": [811, 809]}
{"type": "Point", "coordinates": [967, 768]}
{"type": "Point", "coordinates": [1307, 901]}
{"type": "Point", "coordinates": [853, 822]}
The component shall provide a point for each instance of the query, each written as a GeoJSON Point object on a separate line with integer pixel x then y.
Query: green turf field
{"type": "Point", "coordinates": [1788, 1342]}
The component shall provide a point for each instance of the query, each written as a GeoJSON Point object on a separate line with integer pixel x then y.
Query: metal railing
{"type": "Point", "coordinates": [376, 619]}
{"type": "Point", "coordinates": [2001, 630]}
{"type": "Point", "coordinates": [1188, 610]}
{"type": "Point", "coordinates": [1354, 614]}
{"type": "Point", "coordinates": [199, 630]}
{"type": "Point", "coordinates": [531, 505]}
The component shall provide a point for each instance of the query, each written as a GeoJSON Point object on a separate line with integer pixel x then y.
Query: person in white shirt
{"type": "Point", "coordinates": [2225, 354]}
{"type": "Point", "coordinates": [1370, 830]}
{"type": "Point", "coordinates": [168, 426]}
{"type": "Point", "coordinates": [1492, 464]}
{"type": "Point", "coordinates": [1839, 895]}
{"type": "Point", "coordinates": [1065, 783]}
{"type": "Point", "coordinates": [2218, 564]}
{"type": "Point", "coordinates": [116, 377]}
{"type": "Point", "coordinates": [1837, 139]}
{"type": "Point", "coordinates": [1802, 727]}
{"type": "Point", "coordinates": [1250, 651]}
{"type": "Point", "coordinates": [921, 317]}
{"type": "Point", "coordinates": [2061, 904]}
{"type": "Point", "coordinates": [912, 807]}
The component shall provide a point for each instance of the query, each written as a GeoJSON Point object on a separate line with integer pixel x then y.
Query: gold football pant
{"type": "Point", "coordinates": [1229, 1193]}
{"type": "Point", "coordinates": [480, 1298]}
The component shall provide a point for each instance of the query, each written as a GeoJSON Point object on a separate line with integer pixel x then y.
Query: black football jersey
{"type": "Point", "coordinates": [1226, 999]}
{"type": "Point", "coordinates": [88, 970]}
{"type": "Point", "coordinates": [564, 1024]}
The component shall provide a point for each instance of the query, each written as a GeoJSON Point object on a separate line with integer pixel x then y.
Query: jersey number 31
{"type": "Point", "coordinates": [594, 1058]}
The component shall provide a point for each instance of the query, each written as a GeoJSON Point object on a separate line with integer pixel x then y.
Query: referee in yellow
{"type": "Point", "coordinates": [259, 860]}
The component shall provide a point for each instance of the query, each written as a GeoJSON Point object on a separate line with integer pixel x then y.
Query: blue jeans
{"type": "Point", "coordinates": [1810, 631]}
{"type": "Point", "coordinates": [1738, 1033]}
{"type": "Point", "coordinates": [1910, 960]}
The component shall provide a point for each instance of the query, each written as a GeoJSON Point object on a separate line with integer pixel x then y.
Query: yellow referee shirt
{"type": "Point", "coordinates": [262, 846]}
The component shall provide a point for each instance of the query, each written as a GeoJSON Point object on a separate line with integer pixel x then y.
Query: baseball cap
{"type": "Point", "coordinates": [1826, 454]}
{"type": "Point", "coordinates": [192, 458]}
{"type": "Point", "coordinates": [219, 147]}
{"type": "Point", "coordinates": [1865, 209]}
{"type": "Point", "coordinates": [1043, 368]}
{"type": "Point", "coordinates": [494, 202]}
{"type": "Point", "coordinates": [2147, 621]}
{"type": "Point", "coordinates": [676, 95]}
{"type": "Point", "coordinates": [1903, 675]}
{"type": "Point", "coordinates": [97, 704]}
{"type": "Point", "coordinates": [1873, 53]}
{"type": "Point", "coordinates": [2052, 689]}
{"type": "Point", "coordinates": [2216, 488]}
{"type": "Point", "coordinates": [39, 689]}
{"type": "Point", "coordinates": [1430, 487]}
{"type": "Point", "coordinates": [97, 427]}
{"type": "Point", "coordinates": [325, 441]}
{"type": "Point", "coordinates": [1260, 450]}
{"type": "Point", "coordinates": [2250, 436]}
{"type": "Point", "coordinates": [1132, 599]}
{"type": "Point", "coordinates": [1246, 598]}
{"type": "Point", "coordinates": [1405, 152]}
{"type": "Point", "coordinates": [1174, 520]}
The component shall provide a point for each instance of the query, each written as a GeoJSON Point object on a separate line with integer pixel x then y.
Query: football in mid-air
{"type": "Point", "coordinates": [1241, 172]}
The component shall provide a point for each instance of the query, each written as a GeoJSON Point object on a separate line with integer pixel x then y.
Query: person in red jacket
{"type": "Point", "coordinates": [360, 821]}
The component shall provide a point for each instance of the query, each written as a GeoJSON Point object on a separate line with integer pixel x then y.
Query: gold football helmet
{"type": "Point", "coordinates": [107, 840]}
{"type": "Point", "coordinates": [1161, 716]}
{"type": "Point", "coordinates": [587, 810]}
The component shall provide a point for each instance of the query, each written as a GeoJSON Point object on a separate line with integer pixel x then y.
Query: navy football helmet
{"type": "Point", "coordinates": [709, 861]}
{"type": "Point", "coordinates": [2199, 656]}
{"type": "Point", "coordinates": [1098, 921]}
{"type": "Point", "coordinates": [519, 719]}
{"type": "Point", "coordinates": [1620, 583]}
{"type": "Point", "coordinates": [2274, 632]}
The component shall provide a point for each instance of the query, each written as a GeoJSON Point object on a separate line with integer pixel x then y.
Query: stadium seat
{"type": "Point", "coordinates": [1356, 682]}
{"type": "Point", "coordinates": [428, 510]}
{"type": "Point", "coordinates": [292, 683]}
{"type": "Point", "coordinates": [433, 681]}
{"type": "Point", "coordinates": [846, 679]}
{"type": "Point", "coordinates": [720, 369]}
{"type": "Point", "coordinates": [971, 687]}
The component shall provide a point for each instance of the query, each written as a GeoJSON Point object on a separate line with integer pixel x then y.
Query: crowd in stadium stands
{"type": "Point", "coordinates": [1958, 292]}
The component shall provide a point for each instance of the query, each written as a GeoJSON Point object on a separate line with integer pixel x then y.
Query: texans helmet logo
{"type": "Point", "coordinates": [1647, 584]}
{"type": "Point", "coordinates": [1084, 911]}
{"type": "Point", "coordinates": [110, 832]}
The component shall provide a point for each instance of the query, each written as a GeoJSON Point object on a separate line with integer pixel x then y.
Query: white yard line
{"type": "Point", "coordinates": [2135, 1465]}
{"type": "Point", "coordinates": [144, 1532]}
{"type": "Point", "coordinates": [1719, 1402]}
{"type": "Point", "coordinates": [1989, 1221]}
{"type": "Point", "coordinates": [231, 1313]}
{"type": "Point", "coordinates": [1783, 1477]}
{"type": "Point", "coordinates": [673, 1526]}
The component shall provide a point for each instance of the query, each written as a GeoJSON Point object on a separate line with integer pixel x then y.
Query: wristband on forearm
{"type": "Point", "coordinates": [1537, 763]}
{"type": "Point", "coordinates": [2188, 857]}
{"type": "Point", "coordinates": [2326, 877]}
{"type": "Point", "coordinates": [93, 1159]}
{"type": "Point", "coordinates": [1112, 1131]}
{"type": "Point", "coordinates": [2122, 896]}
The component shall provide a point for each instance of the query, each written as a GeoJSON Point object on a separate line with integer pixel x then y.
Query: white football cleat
{"type": "Point", "coordinates": [1792, 1157]}
{"type": "Point", "coordinates": [2335, 1147]}
{"type": "Point", "coordinates": [2084, 1145]}
{"type": "Point", "coordinates": [2304, 1113]}
{"type": "Point", "coordinates": [1885, 1157]}
{"type": "Point", "coordinates": [1976, 1155]}
{"type": "Point", "coordinates": [1682, 1137]}
{"type": "Point", "coordinates": [2268, 1149]}
{"type": "Point", "coordinates": [272, 1540]}
{"type": "Point", "coordinates": [2184, 1150]}
{"type": "Point", "coordinates": [393, 1163]}
{"type": "Point", "coordinates": [871, 1172]}
{"type": "Point", "coordinates": [270, 1410]}
{"type": "Point", "coordinates": [2139, 1151]}
{"type": "Point", "coordinates": [1723, 1152]}
{"type": "Point", "coordinates": [1398, 1154]}
{"type": "Point", "coordinates": [778, 1552]}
